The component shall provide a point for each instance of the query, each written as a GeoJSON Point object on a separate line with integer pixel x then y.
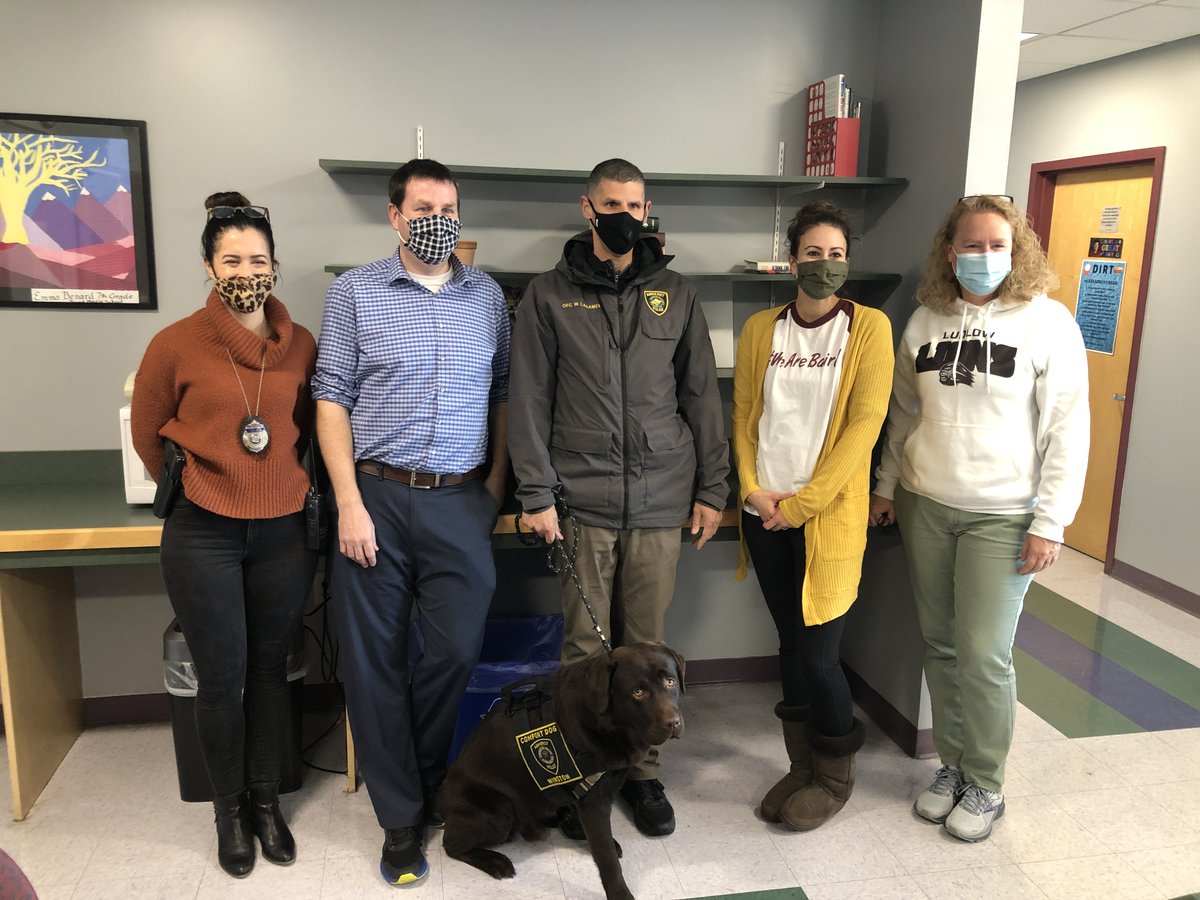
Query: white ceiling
{"type": "Point", "coordinates": [1074, 32]}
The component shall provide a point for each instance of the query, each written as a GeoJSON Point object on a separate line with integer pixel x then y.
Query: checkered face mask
{"type": "Point", "coordinates": [432, 238]}
{"type": "Point", "coordinates": [245, 293]}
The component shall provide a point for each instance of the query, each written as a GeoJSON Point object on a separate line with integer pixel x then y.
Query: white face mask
{"type": "Point", "coordinates": [982, 273]}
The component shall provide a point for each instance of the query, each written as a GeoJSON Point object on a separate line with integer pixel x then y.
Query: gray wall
{"type": "Point", "coordinates": [250, 95]}
{"type": "Point", "coordinates": [1143, 99]}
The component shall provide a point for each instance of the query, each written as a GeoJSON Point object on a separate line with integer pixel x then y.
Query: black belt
{"type": "Point", "coordinates": [423, 480]}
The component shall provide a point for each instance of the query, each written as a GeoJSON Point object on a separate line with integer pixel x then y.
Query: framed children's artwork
{"type": "Point", "coordinates": [75, 228]}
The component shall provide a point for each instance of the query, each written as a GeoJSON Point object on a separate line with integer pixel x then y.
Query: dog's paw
{"type": "Point", "coordinates": [500, 866]}
{"type": "Point", "coordinates": [495, 864]}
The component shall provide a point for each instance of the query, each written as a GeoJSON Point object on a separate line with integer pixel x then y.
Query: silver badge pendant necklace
{"type": "Point", "coordinates": [253, 431]}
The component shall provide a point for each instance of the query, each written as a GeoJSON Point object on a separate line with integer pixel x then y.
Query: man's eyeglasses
{"type": "Point", "coordinates": [250, 212]}
{"type": "Point", "coordinates": [986, 197]}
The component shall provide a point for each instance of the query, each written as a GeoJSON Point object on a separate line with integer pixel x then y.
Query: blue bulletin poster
{"type": "Point", "coordinates": [1101, 283]}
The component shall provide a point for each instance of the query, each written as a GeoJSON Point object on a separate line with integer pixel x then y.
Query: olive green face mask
{"type": "Point", "coordinates": [821, 278]}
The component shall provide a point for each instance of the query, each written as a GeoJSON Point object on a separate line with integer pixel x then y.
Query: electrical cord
{"type": "Point", "coordinates": [328, 660]}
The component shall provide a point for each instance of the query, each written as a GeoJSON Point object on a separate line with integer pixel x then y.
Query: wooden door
{"type": "Point", "coordinates": [1082, 199]}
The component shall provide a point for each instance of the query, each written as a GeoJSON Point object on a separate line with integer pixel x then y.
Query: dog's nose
{"type": "Point", "coordinates": [675, 725]}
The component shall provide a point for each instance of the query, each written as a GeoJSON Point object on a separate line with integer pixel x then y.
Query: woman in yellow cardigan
{"type": "Point", "coordinates": [810, 394]}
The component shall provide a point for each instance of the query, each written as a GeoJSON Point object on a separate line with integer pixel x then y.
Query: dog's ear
{"type": "Point", "coordinates": [595, 682]}
{"type": "Point", "coordinates": [679, 667]}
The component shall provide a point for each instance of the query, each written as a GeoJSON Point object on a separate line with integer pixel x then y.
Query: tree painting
{"type": "Point", "coordinates": [71, 230]}
{"type": "Point", "coordinates": [30, 161]}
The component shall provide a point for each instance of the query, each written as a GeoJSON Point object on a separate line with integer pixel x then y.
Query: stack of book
{"type": "Point", "coordinates": [768, 266]}
{"type": "Point", "coordinates": [837, 100]}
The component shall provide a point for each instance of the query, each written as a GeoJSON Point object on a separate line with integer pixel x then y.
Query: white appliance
{"type": "Point", "coordinates": [139, 486]}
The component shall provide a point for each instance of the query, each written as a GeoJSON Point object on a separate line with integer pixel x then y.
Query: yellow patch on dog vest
{"type": "Point", "coordinates": [546, 755]}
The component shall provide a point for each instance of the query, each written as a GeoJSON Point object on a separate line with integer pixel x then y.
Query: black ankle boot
{"type": "Point", "coordinates": [278, 845]}
{"type": "Point", "coordinates": [235, 839]}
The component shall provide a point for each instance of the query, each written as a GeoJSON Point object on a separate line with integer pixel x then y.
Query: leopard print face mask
{"type": "Point", "coordinates": [245, 293]}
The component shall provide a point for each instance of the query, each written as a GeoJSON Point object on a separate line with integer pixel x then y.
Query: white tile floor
{"type": "Point", "coordinates": [1108, 817]}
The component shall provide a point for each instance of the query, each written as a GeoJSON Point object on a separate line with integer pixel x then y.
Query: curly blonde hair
{"type": "Point", "coordinates": [1031, 274]}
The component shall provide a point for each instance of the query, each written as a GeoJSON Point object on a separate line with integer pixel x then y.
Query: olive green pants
{"type": "Point", "coordinates": [629, 578]}
{"type": "Point", "coordinates": [968, 594]}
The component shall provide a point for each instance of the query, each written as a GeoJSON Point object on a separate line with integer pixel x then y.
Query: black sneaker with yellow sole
{"type": "Point", "coordinates": [402, 861]}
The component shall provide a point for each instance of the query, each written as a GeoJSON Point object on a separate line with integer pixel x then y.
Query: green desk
{"type": "Point", "coordinates": [46, 529]}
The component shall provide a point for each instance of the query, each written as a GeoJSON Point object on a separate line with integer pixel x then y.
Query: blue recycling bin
{"type": "Point", "coordinates": [512, 649]}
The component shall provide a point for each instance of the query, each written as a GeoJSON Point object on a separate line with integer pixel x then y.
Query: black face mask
{"type": "Point", "coordinates": [618, 231]}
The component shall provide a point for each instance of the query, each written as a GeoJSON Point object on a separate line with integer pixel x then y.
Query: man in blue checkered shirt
{"type": "Point", "coordinates": [411, 388]}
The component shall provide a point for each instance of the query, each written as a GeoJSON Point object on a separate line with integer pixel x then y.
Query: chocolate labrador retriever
{"type": "Point", "coordinates": [570, 739]}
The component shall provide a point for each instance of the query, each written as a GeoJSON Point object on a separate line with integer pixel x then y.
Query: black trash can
{"type": "Point", "coordinates": [180, 677]}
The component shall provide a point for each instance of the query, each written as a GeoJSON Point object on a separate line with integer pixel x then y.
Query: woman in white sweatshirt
{"type": "Point", "coordinates": [983, 468]}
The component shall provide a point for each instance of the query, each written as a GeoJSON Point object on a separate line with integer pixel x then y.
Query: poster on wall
{"type": "Point", "coordinates": [1099, 303]}
{"type": "Point", "coordinates": [74, 214]}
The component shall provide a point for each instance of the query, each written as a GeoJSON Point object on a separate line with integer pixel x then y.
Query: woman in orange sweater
{"type": "Point", "coordinates": [229, 385]}
{"type": "Point", "coordinates": [810, 393]}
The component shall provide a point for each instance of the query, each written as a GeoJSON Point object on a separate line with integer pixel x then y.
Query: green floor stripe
{"type": "Point", "coordinates": [1064, 704]}
{"type": "Point", "coordinates": [780, 894]}
{"type": "Point", "coordinates": [1166, 672]}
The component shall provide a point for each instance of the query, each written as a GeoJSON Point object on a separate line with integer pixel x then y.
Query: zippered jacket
{"type": "Point", "coordinates": [613, 394]}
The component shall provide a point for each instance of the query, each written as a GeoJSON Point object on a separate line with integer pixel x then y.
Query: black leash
{"type": "Point", "coordinates": [560, 560]}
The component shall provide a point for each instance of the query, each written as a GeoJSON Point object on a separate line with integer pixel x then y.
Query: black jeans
{"type": "Point", "coordinates": [810, 666]}
{"type": "Point", "coordinates": [239, 587]}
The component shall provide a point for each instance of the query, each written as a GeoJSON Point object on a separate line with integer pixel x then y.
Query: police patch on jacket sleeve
{"type": "Point", "coordinates": [658, 301]}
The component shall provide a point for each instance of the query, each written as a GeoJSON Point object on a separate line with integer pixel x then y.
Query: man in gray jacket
{"type": "Point", "coordinates": [613, 400]}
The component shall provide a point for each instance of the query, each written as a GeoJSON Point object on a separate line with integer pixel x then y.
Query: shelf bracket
{"type": "Point", "coordinates": [420, 142]}
{"type": "Point", "coordinates": [778, 204]}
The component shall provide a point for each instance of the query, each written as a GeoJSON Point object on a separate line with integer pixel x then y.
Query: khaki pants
{"type": "Point", "coordinates": [629, 577]}
{"type": "Point", "coordinates": [969, 596]}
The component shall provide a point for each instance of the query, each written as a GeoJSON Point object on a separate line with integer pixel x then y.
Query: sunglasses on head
{"type": "Point", "coordinates": [250, 212]}
{"type": "Point", "coordinates": [987, 197]}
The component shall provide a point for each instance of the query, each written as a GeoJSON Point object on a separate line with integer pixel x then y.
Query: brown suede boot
{"type": "Point", "coordinates": [800, 754]}
{"type": "Point", "coordinates": [833, 780]}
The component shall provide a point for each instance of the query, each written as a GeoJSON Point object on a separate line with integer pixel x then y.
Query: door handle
{"type": "Point", "coordinates": [1120, 397]}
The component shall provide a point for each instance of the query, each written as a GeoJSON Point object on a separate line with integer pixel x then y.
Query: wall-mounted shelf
{"type": "Point", "coordinates": [655, 179]}
{"type": "Point", "coordinates": [872, 288]}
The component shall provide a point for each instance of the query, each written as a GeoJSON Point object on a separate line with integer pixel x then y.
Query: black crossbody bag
{"type": "Point", "coordinates": [170, 480]}
{"type": "Point", "coordinates": [316, 504]}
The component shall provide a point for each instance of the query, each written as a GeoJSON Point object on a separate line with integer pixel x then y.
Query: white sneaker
{"type": "Point", "coordinates": [936, 801]}
{"type": "Point", "coordinates": [971, 820]}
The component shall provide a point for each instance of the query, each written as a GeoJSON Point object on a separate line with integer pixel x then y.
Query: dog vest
{"type": "Point", "coordinates": [549, 759]}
